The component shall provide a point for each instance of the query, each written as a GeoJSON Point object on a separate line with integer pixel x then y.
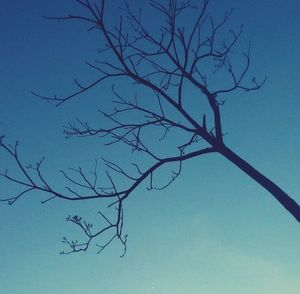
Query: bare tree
{"type": "Point", "coordinates": [161, 61]}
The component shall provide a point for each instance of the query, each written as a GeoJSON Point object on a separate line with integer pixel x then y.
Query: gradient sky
{"type": "Point", "coordinates": [213, 231]}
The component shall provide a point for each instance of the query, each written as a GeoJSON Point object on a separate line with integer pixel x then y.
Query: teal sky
{"type": "Point", "coordinates": [214, 230]}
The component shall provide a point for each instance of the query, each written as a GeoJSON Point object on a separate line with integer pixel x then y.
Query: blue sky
{"type": "Point", "coordinates": [214, 230]}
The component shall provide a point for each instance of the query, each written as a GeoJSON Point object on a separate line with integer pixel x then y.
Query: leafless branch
{"type": "Point", "coordinates": [160, 65]}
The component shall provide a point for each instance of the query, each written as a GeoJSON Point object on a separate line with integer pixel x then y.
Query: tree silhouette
{"type": "Point", "coordinates": [181, 72]}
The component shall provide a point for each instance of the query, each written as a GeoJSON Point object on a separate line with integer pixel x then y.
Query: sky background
{"type": "Point", "coordinates": [214, 230]}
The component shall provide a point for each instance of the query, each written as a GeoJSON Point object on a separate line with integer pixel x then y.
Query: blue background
{"type": "Point", "coordinates": [214, 230]}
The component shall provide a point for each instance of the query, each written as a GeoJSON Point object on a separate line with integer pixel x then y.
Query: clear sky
{"type": "Point", "coordinates": [213, 231]}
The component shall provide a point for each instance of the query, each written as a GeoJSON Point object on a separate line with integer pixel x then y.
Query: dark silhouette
{"type": "Point", "coordinates": [162, 59]}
